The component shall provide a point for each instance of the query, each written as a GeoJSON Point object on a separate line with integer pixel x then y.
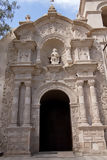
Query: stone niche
{"type": "Point", "coordinates": [47, 49]}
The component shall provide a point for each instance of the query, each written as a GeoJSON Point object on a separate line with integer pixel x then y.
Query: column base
{"type": "Point", "coordinates": [83, 124]}
{"type": "Point", "coordinates": [97, 124]}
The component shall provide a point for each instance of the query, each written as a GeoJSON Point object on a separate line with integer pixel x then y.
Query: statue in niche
{"type": "Point", "coordinates": [55, 58]}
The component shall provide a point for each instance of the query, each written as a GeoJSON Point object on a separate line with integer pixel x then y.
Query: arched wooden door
{"type": "Point", "coordinates": [55, 123]}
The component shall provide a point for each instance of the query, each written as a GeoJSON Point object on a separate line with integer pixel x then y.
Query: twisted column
{"type": "Point", "coordinates": [15, 105]}
{"type": "Point", "coordinates": [83, 118]}
{"type": "Point", "coordinates": [94, 104]}
{"type": "Point", "coordinates": [26, 115]}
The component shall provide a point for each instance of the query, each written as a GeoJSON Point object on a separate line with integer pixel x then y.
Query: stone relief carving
{"type": "Point", "coordinates": [12, 54]}
{"type": "Point", "coordinates": [80, 33]}
{"type": "Point", "coordinates": [104, 102]}
{"type": "Point", "coordinates": [101, 68]}
{"type": "Point", "coordinates": [82, 54]}
{"type": "Point", "coordinates": [6, 109]}
{"type": "Point", "coordinates": [24, 55]}
{"type": "Point", "coordinates": [56, 27]}
{"type": "Point", "coordinates": [100, 36]}
{"type": "Point", "coordinates": [96, 52]}
{"type": "Point", "coordinates": [105, 58]}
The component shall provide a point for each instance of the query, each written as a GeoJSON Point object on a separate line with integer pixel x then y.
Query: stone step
{"type": "Point", "coordinates": [54, 154]}
{"type": "Point", "coordinates": [49, 157]}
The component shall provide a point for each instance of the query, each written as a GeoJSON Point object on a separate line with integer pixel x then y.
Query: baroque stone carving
{"type": "Point", "coordinates": [6, 109]}
{"type": "Point", "coordinates": [79, 32]}
{"type": "Point", "coordinates": [82, 54]}
{"type": "Point", "coordinates": [52, 28]}
{"type": "Point", "coordinates": [24, 55]}
{"type": "Point", "coordinates": [40, 78]}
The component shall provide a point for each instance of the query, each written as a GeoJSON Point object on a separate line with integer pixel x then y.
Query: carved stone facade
{"type": "Point", "coordinates": [55, 53]}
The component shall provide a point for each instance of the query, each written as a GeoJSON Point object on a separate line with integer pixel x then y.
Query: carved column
{"type": "Point", "coordinates": [94, 104]}
{"type": "Point", "coordinates": [15, 105]}
{"type": "Point", "coordinates": [26, 116]}
{"type": "Point", "coordinates": [83, 118]}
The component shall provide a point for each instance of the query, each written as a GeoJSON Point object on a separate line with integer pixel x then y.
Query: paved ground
{"type": "Point", "coordinates": [55, 157]}
{"type": "Point", "coordinates": [73, 158]}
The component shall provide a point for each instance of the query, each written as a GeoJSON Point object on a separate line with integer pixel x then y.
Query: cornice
{"type": "Point", "coordinates": [81, 23]}
{"type": "Point", "coordinates": [24, 44]}
{"type": "Point", "coordinates": [82, 43]}
{"type": "Point", "coordinates": [96, 30]}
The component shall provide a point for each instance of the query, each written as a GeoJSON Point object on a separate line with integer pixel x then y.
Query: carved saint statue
{"type": "Point", "coordinates": [55, 58]}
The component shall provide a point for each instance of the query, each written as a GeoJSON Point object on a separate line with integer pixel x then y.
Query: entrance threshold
{"type": "Point", "coordinates": [55, 154]}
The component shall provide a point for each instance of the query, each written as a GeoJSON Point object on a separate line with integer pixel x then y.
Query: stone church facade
{"type": "Point", "coordinates": [53, 83]}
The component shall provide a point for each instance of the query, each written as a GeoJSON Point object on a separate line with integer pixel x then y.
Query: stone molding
{"type": "Point", "coordinates": [24, 44]}
{"type": "Point", "coordinates": [82, 43]}
{"type": "Point", "coordinates": [101, 5]}
{"type": "Point", "coordinates": [52, 36]}
{"type": "Point", "coordinates": [55, 86]}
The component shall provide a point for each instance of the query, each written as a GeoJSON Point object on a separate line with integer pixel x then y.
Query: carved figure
{"type": "Point", "coordinates": [55, 58]}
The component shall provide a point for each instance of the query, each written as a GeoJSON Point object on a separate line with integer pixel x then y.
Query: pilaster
{"type": "Point", "coordinates": [83, 118]}
{"type": "Point", "coordinates": [26, 117]}
{"type": "Point", "coordinates": [15, 105]}
{"type": "Point", "coordinates": [94, 104]}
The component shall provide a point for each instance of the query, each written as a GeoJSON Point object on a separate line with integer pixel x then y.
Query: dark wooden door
{"type": "Point", "coordinates": [55, 127]}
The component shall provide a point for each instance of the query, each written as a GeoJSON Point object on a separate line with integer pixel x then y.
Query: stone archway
{"type": "Point", "coordinates": [55, 123]}
{"type": "Point", "coordinates": [38, 94]}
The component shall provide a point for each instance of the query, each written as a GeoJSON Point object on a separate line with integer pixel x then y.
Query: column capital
{"type": "Point", "coordinates": [80, 82]}
{"type": "Point", "coordinates": [28, 84]}
{"type": "Point", "coordinates": [91, 82]}
{"type": "Point", "coordinates": [17, 84]}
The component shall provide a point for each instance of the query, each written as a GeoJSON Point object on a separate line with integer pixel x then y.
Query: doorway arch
{"type": "Point", "coordinates": [55, 122]}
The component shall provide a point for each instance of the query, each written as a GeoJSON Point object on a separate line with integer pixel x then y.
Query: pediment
{"type": "Point", "coordinates": [48, 25]}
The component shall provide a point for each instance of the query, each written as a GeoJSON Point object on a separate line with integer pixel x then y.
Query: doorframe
{"type": "Point", "coordinates": [36, 106]}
